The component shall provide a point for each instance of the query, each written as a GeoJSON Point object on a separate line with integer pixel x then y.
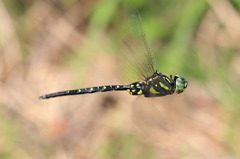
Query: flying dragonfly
{"type": "Point", "coordinates": [153, 83]}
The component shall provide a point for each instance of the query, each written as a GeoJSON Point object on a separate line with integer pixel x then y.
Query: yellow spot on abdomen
{"type": "Point", "coordinates": [139, 92]}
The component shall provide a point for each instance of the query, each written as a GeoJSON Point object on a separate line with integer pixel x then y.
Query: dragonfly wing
{"type": "Point", "coordinates": [139, 52]}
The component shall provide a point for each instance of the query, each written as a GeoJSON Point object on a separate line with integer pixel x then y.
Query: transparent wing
{"type": "Point", "coordinates": [138, 51]}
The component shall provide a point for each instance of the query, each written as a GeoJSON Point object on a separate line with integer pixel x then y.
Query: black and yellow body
{"type": "Point", "coordinates": [159, 85]}
{"type": "Point", "coordinates": [155, 86]}
{"type": "Point", "coordinates": [87, 91]}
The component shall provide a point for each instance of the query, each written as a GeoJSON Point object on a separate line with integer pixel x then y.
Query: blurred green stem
{"type": "Point", "coordinates": [188, 22]}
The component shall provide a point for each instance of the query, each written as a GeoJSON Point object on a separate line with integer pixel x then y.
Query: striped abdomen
{"type": "Point", "coordinates": [86, 90]}
{"type": "Point", "coordinates": [133, 88]}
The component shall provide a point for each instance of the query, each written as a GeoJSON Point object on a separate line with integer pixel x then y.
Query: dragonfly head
{"type": "Point", "coordinates": [181, 84]}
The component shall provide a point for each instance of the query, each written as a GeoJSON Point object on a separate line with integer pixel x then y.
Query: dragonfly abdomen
{"type": "Point", "coordinates": [87, 91]}
{"type": "Point", "coordinates": [136, 88]}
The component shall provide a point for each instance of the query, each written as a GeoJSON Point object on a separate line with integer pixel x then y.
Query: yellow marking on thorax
{"type": "Point", "coordinates": [163, 86]}
{"type": "Point", "coordinates": [167, 79]}
{"type": "Point", "coordinates": [153, 91]}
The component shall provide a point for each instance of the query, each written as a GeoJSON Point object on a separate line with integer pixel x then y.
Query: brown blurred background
{"type": "Point", "coordinates": [48, 46]}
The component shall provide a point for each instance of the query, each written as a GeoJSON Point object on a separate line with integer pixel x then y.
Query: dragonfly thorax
{"type": "Point", "coordinates": [158, 85]}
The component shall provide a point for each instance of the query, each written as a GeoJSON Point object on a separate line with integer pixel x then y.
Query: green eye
{"type": "Point", "coordinates": [181, 84]}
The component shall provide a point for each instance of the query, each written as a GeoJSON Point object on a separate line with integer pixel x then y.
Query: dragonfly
{"type": "Point", "coordinates": [152, 83]}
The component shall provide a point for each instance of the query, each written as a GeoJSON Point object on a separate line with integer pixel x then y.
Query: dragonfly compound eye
{"type": "Point", "coordinates": [181, 84]}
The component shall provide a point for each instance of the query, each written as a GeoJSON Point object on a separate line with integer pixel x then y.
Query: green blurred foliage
{"type": "Point", "coordinates": [8, 135]}
{"type": "Point", "coordinates": [123, 145]}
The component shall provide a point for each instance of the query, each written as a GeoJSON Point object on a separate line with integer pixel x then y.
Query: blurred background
{"type": "Point", "coordinates": [49, 45]}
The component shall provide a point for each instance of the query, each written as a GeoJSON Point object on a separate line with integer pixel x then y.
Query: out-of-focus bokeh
{"type": "Point", "coordinates": [48, 46]}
